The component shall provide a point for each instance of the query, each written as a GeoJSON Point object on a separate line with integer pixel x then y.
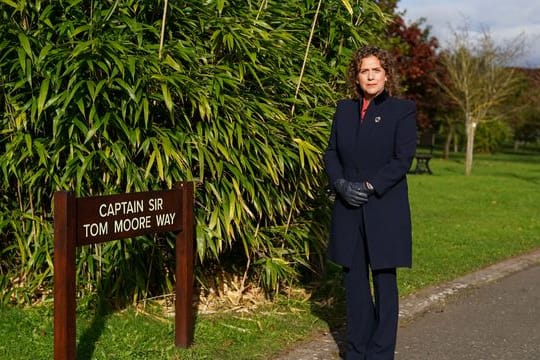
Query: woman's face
{"type": "Point", "coordinates": [371, 77]}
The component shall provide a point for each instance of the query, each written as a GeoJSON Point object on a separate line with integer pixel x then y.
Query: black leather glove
{"type": "Point", "coordinates": [351, 192]}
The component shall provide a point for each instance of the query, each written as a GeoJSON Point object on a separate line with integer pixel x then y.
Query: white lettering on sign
{"type": "Point", "coordinates": [155, 204]}
{"type": "Point", "coordinates": [121, 208]}
{"type": "Point", "coordinates": [135, 223]}
{"type": "Point", "coordinates": [126, 218]}
{"type": "Point", "coordinates": [165, 219]}
{"type": "Point", "coordinates": [96, 229]}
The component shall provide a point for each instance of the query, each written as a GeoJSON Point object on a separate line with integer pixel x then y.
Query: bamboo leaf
{"type": "Point", "coordinates": [167, 96]}
{"type": "Point", "coordinates": [91, 86]}
{"type": "Point", "coordinates": [348, 6]}
{"type": "Point", "coordinates": [172, 63]}
{"type": "Point", "coordinates": [80, 48]}
{"type": "Point", "coordinates": [150, 164]}
{"type": "Point", "coordinates": [28, 140]}
{"type": "Point", "coordinates": [10, 3]}
{"type": "Point", "coordinates": [232, 206]}
{"type": "Point", "coordinates": [124, 85]}
{"type": "Point", "coordinates": [220, 4]}
{"type": "Point", "coordinates": [146, 111]}
{"type": "Point", "coordinates": [43, 90]}
{"type": "Point", "coordinates": [159, 162]}
{"type": "Point", "coordinates": [44, 51]}
{"type": "Point", "coordinates": [25, 43]}
{"type": "Point", "coordinates": [80, 29]}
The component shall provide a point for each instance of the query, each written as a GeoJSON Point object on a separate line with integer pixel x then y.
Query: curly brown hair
{"type": "Point", "coordinates": [387, 62]}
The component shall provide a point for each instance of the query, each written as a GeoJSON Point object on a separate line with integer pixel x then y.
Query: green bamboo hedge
{"type": "Point", "coordinates": [89, 102]}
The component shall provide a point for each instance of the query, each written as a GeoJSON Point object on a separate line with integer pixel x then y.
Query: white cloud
{"type": "Point", "coordinates": [505, 20]}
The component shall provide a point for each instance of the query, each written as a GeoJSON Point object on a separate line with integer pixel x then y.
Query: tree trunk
{"type": "Point", "coordinates": [470, 129]}
{"type": "Point", "coordinates": [447, 144]}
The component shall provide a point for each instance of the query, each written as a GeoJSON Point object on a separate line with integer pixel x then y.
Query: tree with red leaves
{"type": "Point", "coordinates": [417, 60]}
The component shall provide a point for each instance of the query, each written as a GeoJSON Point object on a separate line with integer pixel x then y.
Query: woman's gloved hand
{"type": "Point", "coordinates": [351, 192]}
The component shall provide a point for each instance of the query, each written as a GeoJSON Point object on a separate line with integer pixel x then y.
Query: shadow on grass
{"type": "Point", "coordinates": [90, 336]}
{"type": "Point", "coordinates": [328, 302]}
{"type": "Point", "coordinates": [324, 280]}
{"type": "Point", "coordinates": [106, 307]}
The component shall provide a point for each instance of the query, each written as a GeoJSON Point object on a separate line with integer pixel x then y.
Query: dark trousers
{"type": "Point", "coordinates": [372, 317]}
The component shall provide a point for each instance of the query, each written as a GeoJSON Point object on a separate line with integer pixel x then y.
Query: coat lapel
{"type": "Point", "coordinates": [373, 117]}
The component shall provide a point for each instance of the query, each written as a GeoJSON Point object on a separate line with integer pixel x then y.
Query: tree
{"type": "Point", "coordinates": [525, 121]}
{"type": "Point", "coordinates": [480, 80]}
{"type": "Point", "coordinates": [453, 131]}
{"type": "Point", "coordinates": [417, 59]}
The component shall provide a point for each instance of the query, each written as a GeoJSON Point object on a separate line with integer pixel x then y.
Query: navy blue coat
{"type": "Point", "coordinates": [379, 150]}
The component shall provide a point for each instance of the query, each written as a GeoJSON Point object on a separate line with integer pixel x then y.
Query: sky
{"type": "Point", "coordinates": [505, 20]}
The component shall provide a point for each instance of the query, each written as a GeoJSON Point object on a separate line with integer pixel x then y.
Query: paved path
{"type": "Point", "coordinates": [500, 321]}
{"type": "Point", "coordinates": [492, 314]}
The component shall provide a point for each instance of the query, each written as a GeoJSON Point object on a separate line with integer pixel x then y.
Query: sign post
{"type": "Point", "coordinates": [64, 276]}
{"type": "Point", "coordinates": [91, 220]}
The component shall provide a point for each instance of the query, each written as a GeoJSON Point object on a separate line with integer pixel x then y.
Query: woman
{"type": "Point", "coordinates": [371, 146]}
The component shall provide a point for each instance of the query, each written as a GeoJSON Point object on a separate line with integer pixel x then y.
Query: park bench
{"type": "Point", "coordinates": [424, 152]}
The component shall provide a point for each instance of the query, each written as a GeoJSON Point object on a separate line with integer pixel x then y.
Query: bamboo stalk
{"type": "Point", "coordinates": [306, 55]}
{"type": "Point", "coordinates": [163, 20]}
{"type": "Point", "coordinates": [264, 3]}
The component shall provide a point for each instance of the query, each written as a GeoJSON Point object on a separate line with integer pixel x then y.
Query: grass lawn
{"type": "Point", "coordinates": [460, 224]}
{"type": "Point", "coordinates": [129, 334]}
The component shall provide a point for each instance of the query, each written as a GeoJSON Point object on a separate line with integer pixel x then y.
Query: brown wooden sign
{"type": "Point", "coordinates": [84, 221]}
{"type": "Point", "coordinates": [104, 218]}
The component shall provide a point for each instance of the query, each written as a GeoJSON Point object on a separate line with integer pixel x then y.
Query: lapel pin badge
{"type": "Point", "coordinates": [377, 119]}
